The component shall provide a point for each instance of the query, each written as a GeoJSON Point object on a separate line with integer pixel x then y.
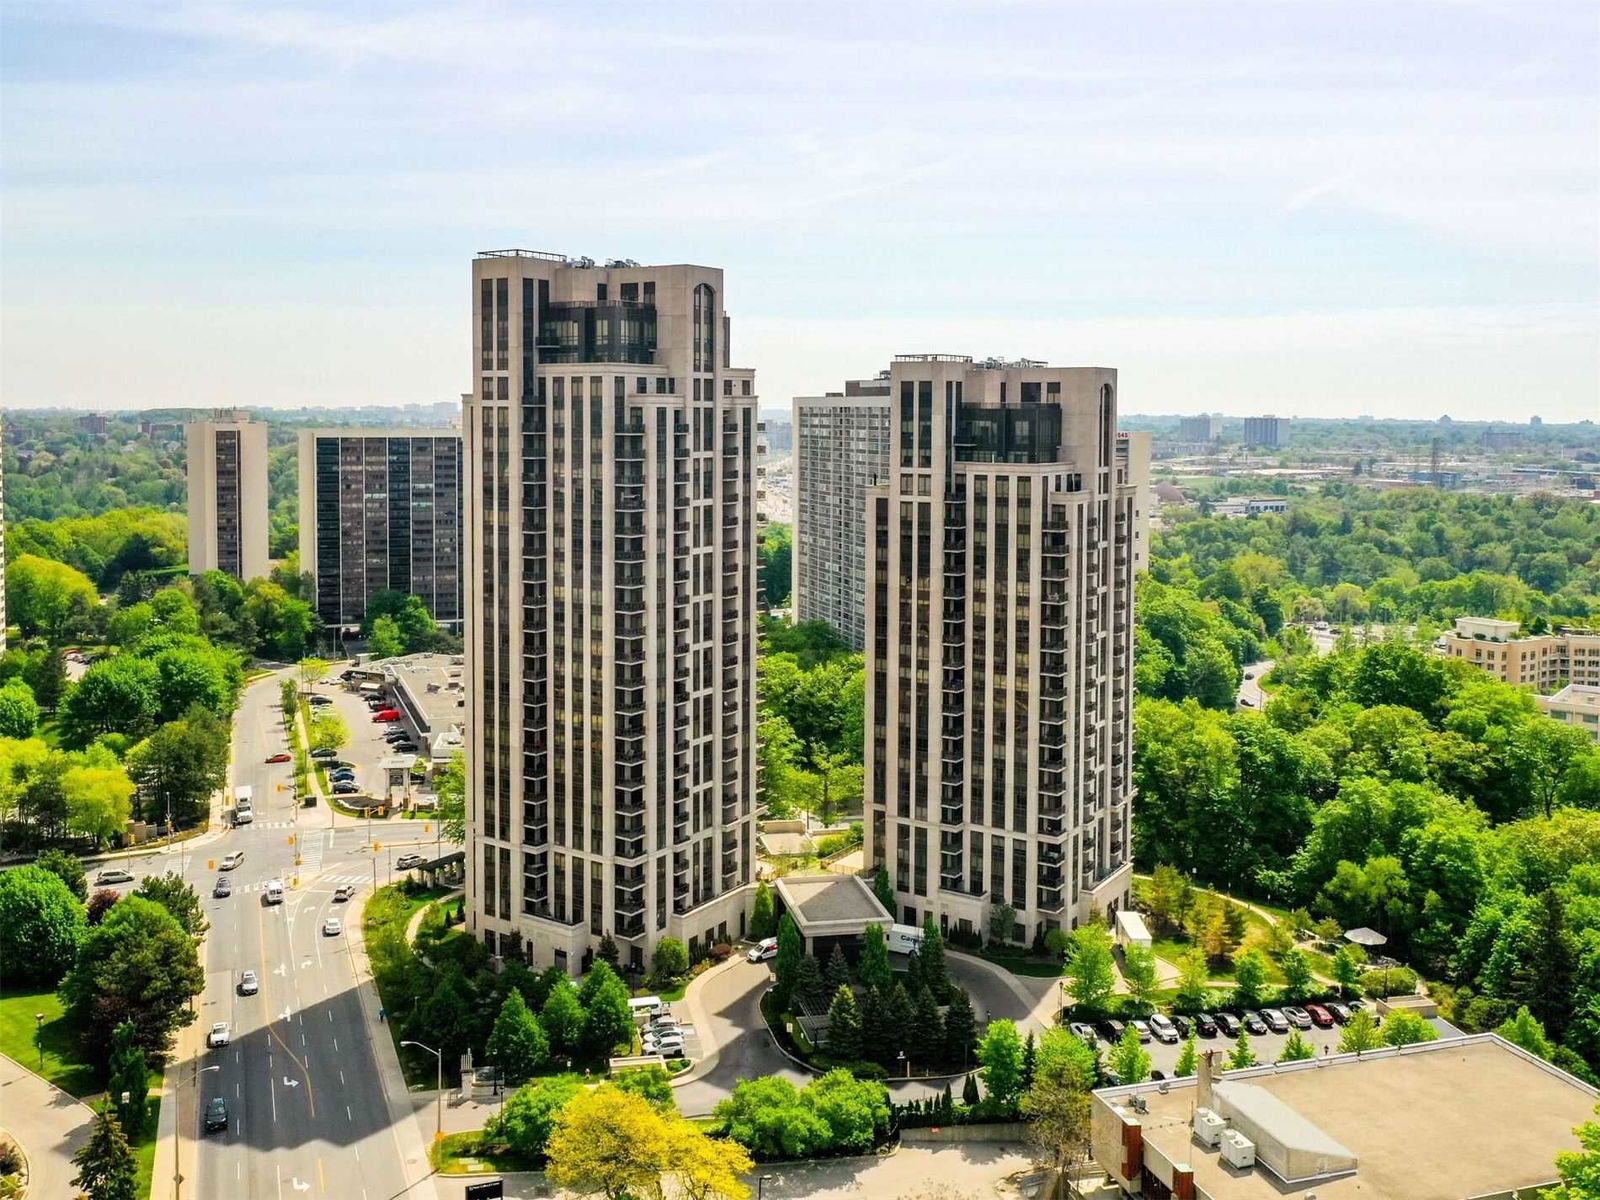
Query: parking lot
{"type": "Point", "coordinates": [367, 747]}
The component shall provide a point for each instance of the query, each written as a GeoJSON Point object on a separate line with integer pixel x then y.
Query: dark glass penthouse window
{"type": "Point", "coordinates": [1031, 435]}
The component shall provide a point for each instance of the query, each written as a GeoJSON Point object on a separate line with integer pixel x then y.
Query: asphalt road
{"type": "Point", "coordinates": [307, 1114]}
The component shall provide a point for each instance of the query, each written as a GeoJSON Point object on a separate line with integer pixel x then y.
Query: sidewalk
{"type": "Point", "coordinates": [47, 1123]}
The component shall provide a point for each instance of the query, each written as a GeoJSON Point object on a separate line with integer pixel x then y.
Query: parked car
{"type": "Point", "coordinates": [318, 701]}
{"type": "Point", "coordinates": [396, 735]}
{"type": "Point", "coordinates": [1084, 1033]}
{"type": "Point", "coordinates": [406, 861]}
{"type": "Point", "coordinates": [407, 747]}
{"type": "Point", "coordinates": [216, 1114]}
{"type": "Point", "coordinates": [325, 752]}
{"type": "Point", "coordinates": [1297, 1016]}
{"type": "Point", "coordinates": [223, 888]}
{"type": "Point", "coordinates": [1183, 1025]}
{"type": "Point", "coordinates": [763, 950]}
{"type": "Point", "coordinates": [231, 860]}
{"type": "Point", "coordinates": [1228, 1024]}
{"type": "Point", "coordinates": [345, 788]}
{"type": "Point", "coordinates": [1321, 1017]}
{"type": "Point", "coordinates": [1253, 1021]}
{"type": "Point", "coordinates": [1205, 1025]}
{"type": "Point", "coordinates": [1338, 1012]}
{"type": "Point", "coordinates": [385, 715]}
{"type": "Point", "coordinates": [249, 985]}
{"type": "Point", "coordinates": [1156, 1076]}
{"type": "Point", "coordinates": [281, 756]}
{"type": "Point", "coordinates": [670, 1046]}
{"type": "Point", "coordinates": [332, 927]}
{"type": "Point", "coordinates": [113, 875]}
{"type": "Point", "coordinates": [343, 892]}
{"type": "Point", "coordinates": [219, 1035]}
{"type": "Point", "coordinates": [1355, 1004]}
{"type": "Point", "coordinates": [1162, 1028]}
{"type": "Point", "coordinates": [1111, 1030]}
{"type": "Point", "coordinates": [341, 775]}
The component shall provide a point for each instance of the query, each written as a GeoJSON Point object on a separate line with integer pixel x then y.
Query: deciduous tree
{"type": "Point", "coordinates": [1000, 1052]}
{"type": "Point", "coordinates": [528, 1116]}
{"type": "Point", "coordinates": [1091, 974]}
{"type": "Point", "coordinates": [517, 1045]}
{"type": "Point", "coordinates": [41, 925]}
{"type": "Point", "coordinates": [1128, 1058]}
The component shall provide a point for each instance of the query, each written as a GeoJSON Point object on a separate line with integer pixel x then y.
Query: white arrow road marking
{"type": "Point", "coordinates": [281, 969]}
{"type": "Point", "coordinates": [287, 1082]}
{"type": "Point", "coordinates": [285, 1015]}
{"type": "Point", "coordinates": [299, 1186]}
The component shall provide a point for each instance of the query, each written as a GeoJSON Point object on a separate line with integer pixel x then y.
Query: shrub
{"type": "Point", "coordinates": [867, 1070]}
{"type": "Point", "coordinates": [1401, 981]}
{"type": "Point", "coordinates": [10, 1158]}
{"type": "Point", "coordinates": [721, 952]}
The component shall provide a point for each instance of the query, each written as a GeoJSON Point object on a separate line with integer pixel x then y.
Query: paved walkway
{"type": "Point", "coordinates": [47, 1123]}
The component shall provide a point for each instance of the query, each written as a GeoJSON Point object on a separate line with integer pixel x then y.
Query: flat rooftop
{"type": "Point", "coordinates": [1442, 1120]}
{"type": "Point", "coordinates": [433, 683]}
{"type": "Point", "coordinates": [831, 905]}
{"type": "Point", "coordinates": [1580, 695]}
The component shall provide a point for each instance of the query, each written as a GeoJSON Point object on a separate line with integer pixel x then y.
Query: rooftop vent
{"type": "Point", "coordinates": [1238, 1150]}
{"type": "Point", "coordinates": [1208, 1127]}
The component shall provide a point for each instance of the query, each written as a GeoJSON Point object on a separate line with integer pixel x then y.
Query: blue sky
{"type": "Point", "coordinates": [1296, 207]}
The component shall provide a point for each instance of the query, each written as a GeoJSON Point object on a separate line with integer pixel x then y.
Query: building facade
{"type": "Point", "coordinates": [610, 600]}
{"type": "Point", "coordinates": [3, 618]}
{"type": "Point", "coordinates": [381, 509]}
{"type": "Point", "coordinates": [1207, 427]}
{"type": "Point", "coordinates": [1543, 662]}
{"type": "Point", "coordinates": [1263, 431]}
{"type": "Point", "coordinates": [841, 448]}
{"type": "Point", "coordinates": [1000, 615]}
{"type": "Point", "coordinates": [227, 483]}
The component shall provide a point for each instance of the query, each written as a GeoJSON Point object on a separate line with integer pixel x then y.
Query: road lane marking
{"type": "Point", "coordinates": [274, 1089]}
{"type": "Point", "coordinates": [347, 1115]}
{"type": "Point", "coordinates": [336, 1050]}
{"type": "Point", "coordinates": [322, 1184]}
{"type": "Point", "coordinates": [341, 1074]}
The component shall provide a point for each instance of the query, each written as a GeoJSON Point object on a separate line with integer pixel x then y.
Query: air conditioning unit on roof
{"type": "Point", "coordinates": [1208, 1126]}
{"type": "Point", "coordinates": [1238, 1150]}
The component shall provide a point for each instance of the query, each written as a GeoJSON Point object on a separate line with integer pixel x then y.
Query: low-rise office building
{"type": "Point", "coordinates": [1543, 661]}
{"type": "Point", "coordinates": [1444, 1120]}
{"type": "Point", "coordinates": [429, 693]}
{"type": "Point", "coordinates": [1577, 704]}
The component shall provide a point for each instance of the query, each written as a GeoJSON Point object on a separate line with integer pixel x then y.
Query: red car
{"type": "Point", "coordinates": [1320, 1017]}
{"type": "Point", "coordinates": [385, 715]}
{"type": "Point", "coordinates": [280, 756]}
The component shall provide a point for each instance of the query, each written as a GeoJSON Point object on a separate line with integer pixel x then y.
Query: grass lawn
{"type": "Point", "coordinates": [463, 1153]}
{"type": "Point", "coordinates": [144, 1150]}
{"type": "Point", "coordinates": [64, 1064]}
{"type": "Point", "coordinates": [1021, 964]}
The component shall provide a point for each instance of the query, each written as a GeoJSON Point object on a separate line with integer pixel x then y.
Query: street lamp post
{"type": "Point", "coordinates": [177, 1140]}
{"type": "Point", "coordinates": [438, 1099]}
{"type": "Point", "coordinates": [38, 1037]}
{"type": "Point", "coordinates": [761, 1186]}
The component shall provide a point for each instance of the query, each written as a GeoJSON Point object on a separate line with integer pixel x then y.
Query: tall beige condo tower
{"type": "Point", "coordinates": [610, 609]}
{"type": "Point", "coordinates": [227, 466]}
{"type": "Point", "coordinates": [1000, 622]}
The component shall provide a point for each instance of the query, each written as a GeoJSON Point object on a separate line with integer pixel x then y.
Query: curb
{"type": "Point", "coordinates": [24, 1174]}
{"type": "Point", "coordinates": [691, 1001]}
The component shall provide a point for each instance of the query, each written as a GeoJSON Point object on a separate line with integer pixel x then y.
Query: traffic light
{"type": "Point", "coordinates": [211, 864]}
{"type": "Point", "coordinates": [376, 846]}
{"type": "Point", "coordinates": [291, 839]}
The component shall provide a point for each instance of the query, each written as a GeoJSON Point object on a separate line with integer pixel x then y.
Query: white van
{"type": "Point", "coordinates": [763, 950]}
{"type": "Point", "coordinates": [903, 939]}
{"type": "Point", "coordinates": [645, 1006]}
{"type": "Point", "coordinates": [275, 891]}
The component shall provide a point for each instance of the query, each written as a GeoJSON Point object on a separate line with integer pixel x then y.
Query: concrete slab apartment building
{"type": "Point", "coordinates": [381, 509]}
{"type": "Point", "coordinates": [610, 600]}
{"type": "Point", "coordinates": [1000, 635]}
{"type": "Point", "coordinates": [227, 489]}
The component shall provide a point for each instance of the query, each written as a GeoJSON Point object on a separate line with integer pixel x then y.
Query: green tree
{"type": "Point", "coordinates": [1242, 1055]}
{"type": "Point", "coordinates": [19, 711]}
{"type": "Point", "coordinates": [1128, 1058]}
{"type": "Point", "coordinates": [385, 640]}
{"type": "Point", "coordinates": [609, 953]}
{"type": "Point", "coordinates": [1579, 1169]}
{"type": "Point", "coordinates": [1524, 1030]}
{"type": "Point", "coordinates": [773, 559]}
{"type": "Point", "coordinates": [1298, 981]}
{"type": "Point", "coordinates": [763, 918]}
{"type": "Point", "coordinates": [1139, 970]}
{"type": "Point", "coordinates": [1000, 1053]}
{"type": "Point", "coordinates": [1057, 1108]}
{"type": "Point", "coordinates": [562, 1018]}
{"type": "Point", "coordinates": [769, 1118]}
{"type": "Point", "coordinates": [42, 595]}
{"type": "Point", "coordinates": [809, 988]}
{"type": "Point", "coordinates": [1002, 923]}
{"type": "Point", "coordinates": [1091, 974]}
{"type": "Point", "coordinates": [1544, 978]}
{"type": "Point", "coordinates": [328, 731]}
{"type": "Point", "coordinates": [98, 795]}
{"type": "Point", "coordinates": [115, 695]}
{"type": "Point", "coordinates": [174, 894]}
{"type": "Point", "coordinates": [1249, 978]}
{"type": "Point", "coordinates": [786, 966]}
{"type": "Point", "coordinates": [450, 785]}
{"type": "Point", "coordinates": [1194, 975]}
{"type": "Point", "coordinates": [283, 623]}
{"type": "Point", "coordinates": [1361, 1033]}
{"type": "Point", "coordinates": [129, 1075]}
{"type": "Point", "coordinates": [1167, 897]}
{"type": "Point", "coordinates": [180, 766]}
{"type": "Point", "coordinates": [1541, 754]}
{"type": "Point", "coordinates": [652, 1083]}
{"type": "Point", "coordinates": [1061, 1049]}
{"type": "Point", "coordinates": [960, 1028]}
{"type": "Point", "coordinates": [671, 959]}
{"type": "Point", "coordinates": [969, 1091]}
{"type": "Point", "coordinates": [837, 974]}
{"type": "Point", "coordinates": [1295, 1048]}
{"type": "Point", "coordinates": [882, 890]}
{"type": "Point", "coordinates": [1346, 969]}
{"type": "Point", "coordinates": [608, 1022]}
{"type": "Point", "coordinates": [528, 1116]}
{"type": "Point", "coordinates": [107, 1169]}
{"type": "Point", "coordinates": [41, 925]}
{"type": "Point", "coordinates": [67, 869]}
{"type": "Point", "coordinates": [1187, 1058]}
{"type": "Point", "coordinates": [874, 965]}
{"type": "Point", "coordinates": [927, 1035]}
{"type": "Point", "coordinates": [517, 1045]}
{"type": "Point", "coordinates": [844, 1026]}
{"type": "Point", "coordinates": [1403, 1028]}
{"type": "Point", "coordinates": [137, 965]}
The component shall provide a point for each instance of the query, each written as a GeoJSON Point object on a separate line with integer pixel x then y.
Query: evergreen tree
{"type": "Point", "coordinates": [874, 966]}
{"type": "Point", "coordinates": [969, 1091]}
{"type": "Point", "coordinates": [763, 917]}
{"type": "Point", "coordinates": [844, 1027]}
{"type": "Point", "coordinates": [786, 967]}
{"type": "Point", "coordinates": [1544, 979]}
{"type": "Point", "coordinates": [880, 887]}
{"type": "Point", "coordinates": [947, 1104]}
{"type": "Point", "coordinates": [902, 1015]}
{"type": "Point", "coordinates": [1030, 1060]}
{"type": "Point", "coordinates": [837, 974]}
{"type": "Point", "coordinates": [875, 1039]}
{"type": "Point", "coordinates": [1128, 1058]}
{"type": "Point", "coordinates": [960, 1029]}
{"type": "Point", "coordinates": [1296, 1048]}
{"type": "Point", "coordinates": [913, 973]}
{"type": "Point", "coordinates": [1242, 1055]}
{"type": "Point", "coordinates": [106, 1166]}
{"type": "Point", "coordinates": [809, 989]}
{"type": "Point", "coordinates": [927, 1037]}
{"type": "Point", "coordinates": [608, 952]}
{"type": "Point", "coordinates": [935, 973]}
{"type": "Point", "coordinates": [130, 1073]}
{"type": "Point", "coordinates": [1186, 1058]}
